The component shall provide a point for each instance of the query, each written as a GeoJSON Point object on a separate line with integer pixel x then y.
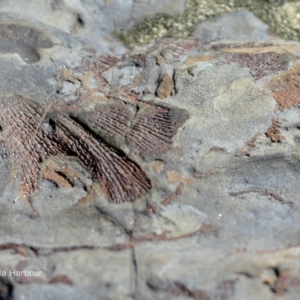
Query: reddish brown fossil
{"type": "Point", "coordinates": [96, 129]}
{"type": "Point", "coordinates": [31, 133]}
{"type": "Point", "coordinates": [260, 64]}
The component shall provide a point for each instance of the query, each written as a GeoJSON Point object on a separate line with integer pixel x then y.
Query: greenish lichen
{"type": "Point", "coordinates": [283, 17]}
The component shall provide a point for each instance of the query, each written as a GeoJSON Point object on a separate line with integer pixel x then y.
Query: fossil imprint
{"type": "Point", "coordinates": [31, 132]}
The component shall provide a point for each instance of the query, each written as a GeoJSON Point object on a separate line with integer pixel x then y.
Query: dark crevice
{"type": "Point", "coordinates": [136, 274]}
{"type": "Point", "coordinates": [80, 20]}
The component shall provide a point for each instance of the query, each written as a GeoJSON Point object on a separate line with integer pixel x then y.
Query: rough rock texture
{"type": "Point", "coordinates": [239, 26]}
{"type": "Point", "coordinates": [282, 17]}
{"type": "Point", "coordinates": [198, 138]}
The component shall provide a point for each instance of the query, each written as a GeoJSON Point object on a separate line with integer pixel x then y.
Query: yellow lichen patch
{"type": "Point", "coordinates": [281, 16]}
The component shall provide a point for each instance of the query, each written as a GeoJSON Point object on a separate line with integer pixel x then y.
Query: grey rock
{"type": "Point", "coordinates": [143, 9]}
{"type": "Point", "coordinates": [52, 292]}
{"type": "Point", "coordinates": [236, 26]}
{"type": "Point", "coordinates": [229, 109]}
{"type": "Point", "coordinates": [221, 220]}
{"type": "Point", "coordinates": [102, 272]}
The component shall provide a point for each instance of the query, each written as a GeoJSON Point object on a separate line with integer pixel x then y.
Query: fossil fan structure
{"type": "Point", "coordinates": [32, 132]}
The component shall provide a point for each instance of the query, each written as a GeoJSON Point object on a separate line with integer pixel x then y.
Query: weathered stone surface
{"type": "Point", "coordinates": [213, 126]}
{"type": "Point", "coordinates": [237, 26]}
{"type": "Point", "coordinates": [143, 9]}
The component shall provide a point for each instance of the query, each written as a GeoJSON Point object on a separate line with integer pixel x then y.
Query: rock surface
{"type": "Point", "coordinates": [221, 220]}
{"type": "Point", "coordinates": [238, 26]}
